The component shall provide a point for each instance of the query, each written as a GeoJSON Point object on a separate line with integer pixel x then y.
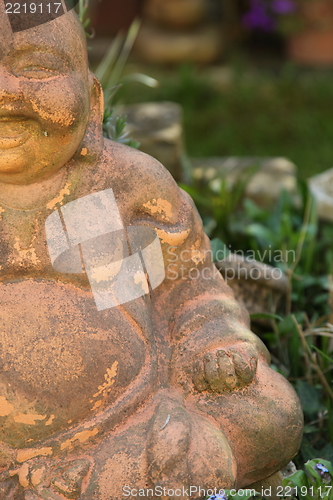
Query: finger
{"type": "Point", "coordinates": [198, 377]}
{"type": "Point", "coordinates": [245, 371]}
{"type": "Point", "coordinates": [212, 374]}
{"type": "Point", "coordinates": [226, 370]}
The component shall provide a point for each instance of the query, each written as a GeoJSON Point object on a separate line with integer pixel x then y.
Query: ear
{"type": "Point", "coordinates": [92, 143]}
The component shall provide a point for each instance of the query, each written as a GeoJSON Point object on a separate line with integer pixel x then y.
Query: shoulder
{"type": "Point", "coordinates": [134, 164]}
{"type": "Point", "coordinates": [141, 181]}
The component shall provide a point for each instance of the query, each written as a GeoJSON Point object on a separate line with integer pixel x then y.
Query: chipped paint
{"type": "Point", "coordinates": [37, 475]}
{"type": "Point", "coordinates": [29, 453]}
{"type": "Point", "coordinates": [173, 239]}
{"type": "Point", "coordinates": [60, 198]}
{"type": "Point", "coordinates": [109, 380]}
{"type": "Point", "coordinates": [55, 116]}
{"type": "Point", "coordinates": [28, 419]}
{"type": "Point", "coordinates": [197, 254]}
{"type": "Point", "coordinates": [84, 151]}
{"type": "Point", "coordinates": [23, 474]}
{"type": "Point", "coordinates": [98, 404]}
{"type": "Point", "coordinates": [6, 408]}
{"type": "Point", "coordinates": [140, 279]}
{"type": "Point", "coordinates": [25, 254]}
{"type": "Point", "coordinates": [50, 420]}
{"type": "Point", "coordinates": [105, 273]}
{"type": "Point", "coordinates": [159, 206]}
{"type": "Point", "coordinates": [82, 437]}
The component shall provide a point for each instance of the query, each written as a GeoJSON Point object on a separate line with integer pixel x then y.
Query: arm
{"type": "Point", "coordinates": [200, 327]}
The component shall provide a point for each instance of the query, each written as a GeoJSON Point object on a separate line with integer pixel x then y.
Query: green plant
{"type": "Point", "coordinates": [287, 235]}
{"type": "Point", "coordinates": [114, 127]}
{"type": "Point", "coordinates": [109, 72]}
{"type": "Point", "coordinates": [313, 483]}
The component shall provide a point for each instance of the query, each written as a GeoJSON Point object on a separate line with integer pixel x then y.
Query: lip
{"type": "Point", "coordinates": [13, 131]}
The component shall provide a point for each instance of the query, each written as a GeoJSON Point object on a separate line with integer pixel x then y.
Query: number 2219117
{"type": "Point", "coordinates": [32, 8]}
{"type": "Point", "coordinates": [302, 491]}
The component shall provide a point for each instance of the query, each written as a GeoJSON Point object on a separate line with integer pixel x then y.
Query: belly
{"type": "Point", "coordinates": [61, 361]}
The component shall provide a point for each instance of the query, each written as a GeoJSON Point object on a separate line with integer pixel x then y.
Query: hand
{"type": "Point", "coordinates": [225, 370]}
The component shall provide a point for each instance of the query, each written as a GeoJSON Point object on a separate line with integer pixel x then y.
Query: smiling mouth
{"type": "Point", "coordinates": [13, 132]}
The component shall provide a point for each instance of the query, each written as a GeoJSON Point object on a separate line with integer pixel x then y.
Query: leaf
{"type": "Point", "coordinates": [196, 195]}
{"type": "Point", "coordinates": [262, 233]}
{"type": "Point", "coordinates": [299, 479]}
{"type": "Point", "coordinates": [309, 397]}
{"type": "Point", "coordinates": [307, 451]}
{"type": "Point", "coordinates": [328, 358]}
{"type": "Point", "coordinates": [287, 325]}
{"type": "Point", "coordinates": [309, 429]}
{"type": "Point", "coordinates": [219, 249]}
{"type": "Point", "coordinates": [253, 211]}
{"type": "Point", "coordinates": [327, 452]}
{"type": "Point", "coordinates": [141, 78]}
{"type": "Point", "coordinates": [266, 316]}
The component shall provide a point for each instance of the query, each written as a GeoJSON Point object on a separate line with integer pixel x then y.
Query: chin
{"type": "Point", "coordinates": [11, 170]}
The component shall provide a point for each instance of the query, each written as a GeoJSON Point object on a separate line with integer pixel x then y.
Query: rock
{"type": "Point", "coordinates": [158, 45]}
{"type": "Point", "coordinates": [258, 286]}
{"type": "Point", "coordinates": [270, 487]}
{"type": "Point", "coordinates": [175, 13]}
{"type": "Point", "coordinates": [158, 128]}
{"type": "Point", "coordinates": [321, 187]}
{"type": "Point", "coordinates": [272, 175]}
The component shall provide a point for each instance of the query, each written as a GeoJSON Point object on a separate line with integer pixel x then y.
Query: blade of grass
{"type": "Point", "coordinates": [313, 359]}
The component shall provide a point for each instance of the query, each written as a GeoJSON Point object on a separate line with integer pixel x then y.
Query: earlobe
{"type": "Point", "coordinates": [96, 95]}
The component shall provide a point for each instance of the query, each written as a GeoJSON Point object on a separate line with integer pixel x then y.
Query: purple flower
{"type": "Point", "coordinates": [218, 497]}
{"type": "Point", "coordinates": [324, 472]}
{"type": "Point", "coordinates": [258, 18]}
{"type": "Point", "coordinates": [283, 6]}
{"type": "Point", "coordinates": [264, 14]}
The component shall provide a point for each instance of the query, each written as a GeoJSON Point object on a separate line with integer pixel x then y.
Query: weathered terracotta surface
{"type": "Point", "coordinates": [170, 389]}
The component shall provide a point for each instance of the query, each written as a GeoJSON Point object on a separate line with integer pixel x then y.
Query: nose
{"type": "Point", "coordinates": [9, 85]}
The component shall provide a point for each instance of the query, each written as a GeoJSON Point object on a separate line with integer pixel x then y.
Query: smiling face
{"type": "Point", "coordinates": [44, 98]}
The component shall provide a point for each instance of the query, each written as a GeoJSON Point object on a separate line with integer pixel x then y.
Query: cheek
{"type": "Point", "coordinates": [59, 103]}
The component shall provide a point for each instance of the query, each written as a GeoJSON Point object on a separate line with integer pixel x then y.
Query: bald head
{"type": "Point", "coordinates": [63, 33]}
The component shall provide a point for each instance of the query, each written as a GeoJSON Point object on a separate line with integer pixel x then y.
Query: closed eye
{"type": "Point", "coordinates": [38, 66]}
{"type": "Point", "coordinates": [37, 71]}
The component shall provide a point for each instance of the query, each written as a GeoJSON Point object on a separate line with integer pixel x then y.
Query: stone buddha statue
{"type": "Point", "coordinates": [113, 385]}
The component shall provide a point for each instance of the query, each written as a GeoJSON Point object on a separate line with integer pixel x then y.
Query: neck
{"type": "Point", "coordinates": [32, 196]}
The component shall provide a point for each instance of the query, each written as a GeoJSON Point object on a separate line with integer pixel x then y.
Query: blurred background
{"type": "Point", "coordinates": [253, 77]}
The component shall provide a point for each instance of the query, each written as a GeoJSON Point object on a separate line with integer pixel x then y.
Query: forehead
{"type": "Point", "coordinates": [63, 36]}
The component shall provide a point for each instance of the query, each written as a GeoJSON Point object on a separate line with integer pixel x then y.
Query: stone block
{"type": "Point", "coordinates": [158, 128]}
{"type": "Point", "coordinates": [158, 45]}
{"type": "Point", "coordinates": [321, 187]}
{"type": "Point", "coordinates": [258, 286]}
{"type": "Point", "coordinates": [270, 175]}
{"type": "Point", "coordinates": [175, 13]}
